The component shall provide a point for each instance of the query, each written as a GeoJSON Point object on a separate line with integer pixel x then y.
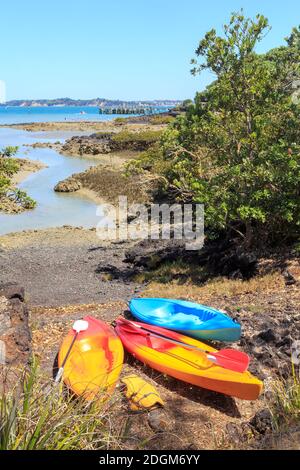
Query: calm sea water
{"type": "Point", "coordinates": [13, 115]}
{"type": "Point", "coordinates": [53, 209]}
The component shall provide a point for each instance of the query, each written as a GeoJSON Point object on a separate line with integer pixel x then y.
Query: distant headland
{"type": "Point", "coordinates": [100, 102]}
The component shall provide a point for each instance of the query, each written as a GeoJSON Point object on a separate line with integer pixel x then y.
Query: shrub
{"type": "Point", "coordinates": [120, 121]}
{"type": "Point", "coordinates": [148, 136]}
{"type": "Point", "coordinates": [161, 119]}
{"type": "Point", "coordinates": [8, 167]}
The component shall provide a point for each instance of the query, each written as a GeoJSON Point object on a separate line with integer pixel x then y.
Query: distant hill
{"type": "Point", "coordinates": [93, 102]}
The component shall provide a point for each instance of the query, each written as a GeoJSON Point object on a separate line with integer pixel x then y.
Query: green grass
{"type": "Point", "coordinates": [161, 119]}
{"type": "Point", "coordinates": [36, 414]}
{"type": "Point", "coordinates": [177, 272]}
{"type": "Point", "coordinates": [120, 121]}
{"type": "Point", "coordinates": [286, 409]}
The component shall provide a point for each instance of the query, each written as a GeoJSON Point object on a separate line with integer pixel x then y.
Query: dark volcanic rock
{"type": "Point", "coordinates": [102, 143]}
{"type": "Point", "coordinates": [289, 278]}
{"type": "Point", "coordinates": [11, 290]}
{"type": "Point", "coordinates": [268, 335]}
{"type": "Point", "coordinates": [150, 253]}
{"type": "Point", "coordinates": [87, 145]}
{"type": "Point", "coordinates": [219, 257]}
{"type": "Point", "coordinates": [15, 337]}
{"type": "Point", "coordinates": [262, 421]}
{"type": "Point", "coordinates": [237, 265]}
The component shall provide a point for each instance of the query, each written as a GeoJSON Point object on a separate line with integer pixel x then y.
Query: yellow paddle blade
{"type": "Point", "coordinates": [141, 394]}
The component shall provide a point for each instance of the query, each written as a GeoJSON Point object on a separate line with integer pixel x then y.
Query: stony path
{"type": "Point", "coordinates": [58, 267]}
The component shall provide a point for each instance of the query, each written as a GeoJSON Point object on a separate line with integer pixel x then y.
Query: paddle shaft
{"type": "Point", "coordinates": [180, 343]}
{"type": "Point", "coordinates": [61, 369]}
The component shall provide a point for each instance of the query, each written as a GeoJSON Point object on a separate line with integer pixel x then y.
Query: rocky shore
{"type": "Point", "coordinates": [102, 143]}
{"type": "Point", "coordinates": [82, 126]}
{"type": "Point", "coordinates": [41, 145]}
{"type": "Point", "coordinates": [112, 150]}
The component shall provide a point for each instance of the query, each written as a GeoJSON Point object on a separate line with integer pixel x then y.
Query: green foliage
{"type": "Point", "coordinates": [8, 167]}
{"type": "Point", "coordinates": [37, 414]}
{"type": "Point", "coordinates": [9, 151]}
{"type": "Point", "coordinates": [236, 149]}
{"type": "Point", "coordinates": [148, 136]}
{"type": "Point", "coordinates": [161, 119]}
{"type": "Point", "coordinates": [185, 105]}
{"type": "Point", "coordinates": [20, 198]}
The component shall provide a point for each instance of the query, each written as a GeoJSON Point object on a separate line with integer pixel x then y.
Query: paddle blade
{"type": "Point", "coordinates": [80, 325]}
{"type": "Point", "coordinates": [230, 359]}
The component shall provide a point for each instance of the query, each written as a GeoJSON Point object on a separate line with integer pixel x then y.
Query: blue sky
{"type": "Point", "coordinates": [128, 49]}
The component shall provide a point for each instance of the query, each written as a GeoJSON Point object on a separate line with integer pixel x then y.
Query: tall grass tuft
{"type": "Point", "coordinates": [36, 414]}
{"type": "Point", "coordinates": [286, 409]}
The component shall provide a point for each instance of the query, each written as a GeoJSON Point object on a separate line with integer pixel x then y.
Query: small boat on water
{"type": "Point", "coordinates": [192, 319]}
{"type": "Point", "coordinates": [95, 361]}
{"type": "Point", "coordinates": [181, 362]}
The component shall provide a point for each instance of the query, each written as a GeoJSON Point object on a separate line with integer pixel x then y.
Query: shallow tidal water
{"type": "Point", "coordinates": [53, 209]}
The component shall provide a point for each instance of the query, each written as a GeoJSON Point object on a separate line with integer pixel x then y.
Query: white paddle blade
{"type": "Point", "coordinates": [80, 325]}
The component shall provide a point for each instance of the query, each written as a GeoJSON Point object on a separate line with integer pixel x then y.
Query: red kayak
{"type": "Point", "coordinates": [184, 363]}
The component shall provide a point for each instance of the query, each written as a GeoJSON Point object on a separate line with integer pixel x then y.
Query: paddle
{"type": "Point", "coordinates": [78, 326]}
{"type": "Point", "coordinates": [228, 358]}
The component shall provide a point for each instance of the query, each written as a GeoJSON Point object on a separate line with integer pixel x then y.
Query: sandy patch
{"type": "Point", "coordinates": [27, 167]}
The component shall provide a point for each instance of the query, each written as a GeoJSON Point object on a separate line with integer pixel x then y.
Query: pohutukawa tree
{"type": "Point", "coordinates": [237, 148]}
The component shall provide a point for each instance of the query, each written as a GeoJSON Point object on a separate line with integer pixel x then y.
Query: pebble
{"type": "Point", "coordinates": [159, 421]}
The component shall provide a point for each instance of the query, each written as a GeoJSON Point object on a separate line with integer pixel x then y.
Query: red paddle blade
{"type": "Point", "coordinates": [231, 359]}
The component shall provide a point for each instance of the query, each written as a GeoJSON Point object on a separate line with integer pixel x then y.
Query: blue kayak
{"type": "Point", "coordinates": [195, 320]}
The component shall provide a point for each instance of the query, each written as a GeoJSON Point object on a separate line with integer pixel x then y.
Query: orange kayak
{"type": "Point", "coordinates": [185, 364]}
{"type": "Point", "coordinates": [95, 362]}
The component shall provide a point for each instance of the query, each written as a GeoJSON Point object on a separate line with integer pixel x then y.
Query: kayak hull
{"type": "Point", "coordinates": [189, 318]}
{"type": "Point", "coordinates": [227, 335]}
{"type": "Point", "coordinates": [184, 364]}
{"type": "Point", "coordinates": [95, 362]}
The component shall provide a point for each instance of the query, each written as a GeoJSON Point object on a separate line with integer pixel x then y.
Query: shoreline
{"type": "Point", "coordinates": [107, 126]}
{"type": "Point", "coordinates": [92, 195]}
{"type": "Point", "coordinates": [101, 183]}
{"type": "Point", "coordinates": [27, 167]}
{"type": "Point", "coordinates": [58, 125]}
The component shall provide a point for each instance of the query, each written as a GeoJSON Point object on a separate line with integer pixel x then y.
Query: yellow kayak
{"type": "Point", "coordinates": [191, 366]}
{"type": "Point", "coordinates": [95, 362]}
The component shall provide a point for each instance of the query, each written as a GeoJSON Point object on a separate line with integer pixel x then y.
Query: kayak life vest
{"type": "Point", "coordinates": [141, 394]}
